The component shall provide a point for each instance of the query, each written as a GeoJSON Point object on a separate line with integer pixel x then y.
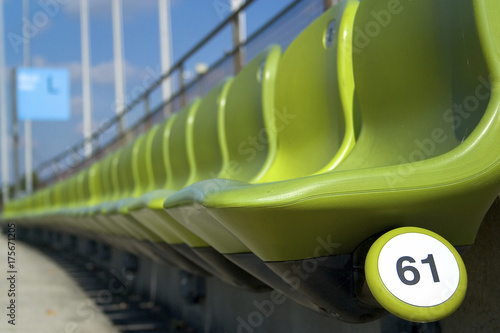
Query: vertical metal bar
{"type": "Point", "coordinates": [118, 61]}
{"type": "Point", "coordinates": [147, 110]}
{"type": "Point", "coordinates": [146, 105]}
{"type": "Point", "coordinates": [181, 85]}
{"type": "Point", "coordinates": [15, 134]}
{"type": "Point", "coordinates": [28, 138]}
{"type": "Point", "coordinates": [239, 35]}
{"type": "Point", "coordinates": [3, 114]}
{"type": "Point", "coordinates": [86, 79]}
{"type": "Point", "coordinates": [27, 46]}
{"type": "Point", "coordinates": [238, 63]}
{"type": "Point", "coordinates": [165, 50]}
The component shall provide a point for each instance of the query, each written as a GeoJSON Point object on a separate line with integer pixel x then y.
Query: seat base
{"type": "Point", "coordinates": [253, 264]}
{"type": "Point", "coordinates": [231, 271]}
{"type": "Point", "coordinates": [330, 283]}
{"type": "Point", "coordinates": [168, 255]}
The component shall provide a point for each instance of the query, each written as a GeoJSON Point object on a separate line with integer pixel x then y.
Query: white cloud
{"type": "Point", "coordinates": [96, 7]}
{"type": "Point", "coordinates": [102, 8]}
{"type": "Point", "coordinates": [75, 69]}
{"type": "Point", "coordinates": [101, 73]}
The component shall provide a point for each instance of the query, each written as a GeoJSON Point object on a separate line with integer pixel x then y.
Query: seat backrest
{"type": "Point", "coordinates": [66, 192]}
{"type": "Point", "coordinates": [313, 100]}
{"type": "Point", "coordinates": [95, 185]}
{"type": "Point", "coordinates": [74, 191]}
{"type": "Point", "coordinates": [121, 173]}
{"type": "Point", "coordinates": [28, 206]}
{"type": "Point", "coordinates": [83, 188]}
{"type": "Point", "coordinates": [246, 123]}
{"type": "Point", "coordinates": [141, 165]}
{"type": "Point", "coordinates": [106, 179]}
{"type": "Point", "coordinates": [12, 209]}
{"type": "Point", "coordinates": [46, 198]}
{"type": "Point", "coordinates": [56, 196]}
{"type": "Point", "coordinates": [418, 71]}
{"type": "Point", "coordinates": [178, 158]}
{"type": "Point", "coordinates": [204, 146]}
{"type": "Point", "coordinates": [38, 203]}
{"type": "Point", "coordinates": [157, 151]}
{"type": "Point", "coordinates": [125, 170]}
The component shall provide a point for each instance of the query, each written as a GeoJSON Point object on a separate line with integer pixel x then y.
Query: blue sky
{"type": "Point", "coordinates": [55, 42]}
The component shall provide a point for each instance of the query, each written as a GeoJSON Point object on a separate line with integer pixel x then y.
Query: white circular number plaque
{"type": "Point", "coordinates": [418, 269]}
{"type": "Point", "coordinates": [416, 274]}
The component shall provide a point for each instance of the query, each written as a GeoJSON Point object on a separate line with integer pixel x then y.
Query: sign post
{"type": "Point", "coordinates": [15, 134]}
{"type": "Point", "coordinates": [4, 134]}
{"type": "Point", "coordinates": [40, 94]}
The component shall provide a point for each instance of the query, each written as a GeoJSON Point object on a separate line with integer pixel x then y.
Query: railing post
{"type": "Point", "coordinates": [181, 85]}
{"type": "Point", "coordinates": [147, 111]}
{"type": "Point", "coordinates": [238, 55]}
{"type": "Point", "coordinates": [238, 37]}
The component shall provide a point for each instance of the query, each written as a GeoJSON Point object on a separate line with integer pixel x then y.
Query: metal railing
{"type": "Point", "coordinates": [281, 29]}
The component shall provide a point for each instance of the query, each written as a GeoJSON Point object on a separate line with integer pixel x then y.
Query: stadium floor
{"type": "Point", "coordinates": [47, 298]}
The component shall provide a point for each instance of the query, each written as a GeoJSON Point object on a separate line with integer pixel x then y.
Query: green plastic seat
{"type": "Point", "coordinates": [402, 114]}
{"type": "Point", "coordinates": [99, 184]}
{"type": "Point", "coordinates": [267, 109]}
{"type": "Point", "coordinates": [193, 153]}
{"type": "Point", "coordinates": [176, 171]}
{"type": "Point", "coordinates": [86, 212]}
{"type": "Point", "coordinates": [17, 210]}
{"type": "Point", "coordinates": [426, 156]}
{"type": "Point", "coordinates": [9, 210]}
{"type": "Point", "coordinates": [82, 212]}
{"type": "Point", "coordinates": [46, 203]}
{"type": "Point", "coordinates": [202, 153]}
{"type": "Point", "coordinates": [134, 180]}
{"type": "Point", "coordinates": [124, 174]}
{"type": "Point", "coordinates": [55, 195]}
{"type": "Point", "coordinates": [206, 158]}
{"type": "Point", "coordinates": [60, 211]}
{"type": "Point", "coordinates": [248, 112]}
{"type": "Point", "coordinates": [263, 146]}
{"type": "Point", "coordinates": [108, 192]}
{"type": "Point", "coordinates": [81, 195]}
{"type": "Point", "coordinates": [63, 219]}
{"type": "Point", "coordinates": [156, 175]}
{"type": "Point", "coordinates": [180, 163]}
{"type": "Point", "coordinates": [35, 208]}
{"type": "Point", "coordinates": [161, 183]}
{"type": "Point", "coordinates": [126, 187]}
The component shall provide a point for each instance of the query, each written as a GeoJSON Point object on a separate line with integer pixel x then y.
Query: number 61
{"type": "Point", "coordinates": [416, 274]}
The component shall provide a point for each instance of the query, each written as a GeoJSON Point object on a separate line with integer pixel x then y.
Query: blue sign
{"type": "Point", "coordinates": [43, 94]}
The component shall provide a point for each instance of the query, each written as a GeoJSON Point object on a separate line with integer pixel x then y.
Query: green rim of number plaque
{"type": "Point", "coordinates": [396, 306]}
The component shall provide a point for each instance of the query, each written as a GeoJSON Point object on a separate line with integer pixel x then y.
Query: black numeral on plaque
{"type": "Point", "coordinates": [416, 274]}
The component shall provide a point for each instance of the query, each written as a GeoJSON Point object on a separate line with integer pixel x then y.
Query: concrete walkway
{"type": "Point", "coordinates": [46, 298]}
